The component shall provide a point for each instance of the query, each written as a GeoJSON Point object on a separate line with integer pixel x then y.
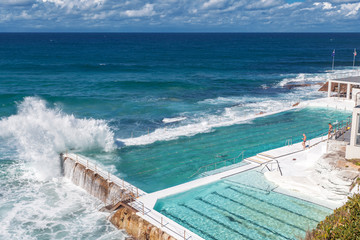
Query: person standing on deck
{"type": "Point", "coordinates": [330, 130]}
{"type": "Point", "coordinates": [304, 141]}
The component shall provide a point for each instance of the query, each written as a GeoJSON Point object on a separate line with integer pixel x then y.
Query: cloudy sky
{"type": "Point", "coordinates": [180, 15]}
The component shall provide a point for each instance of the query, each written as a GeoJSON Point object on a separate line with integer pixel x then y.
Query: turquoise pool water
{"type": "Point", "coordinates": [244, 206]}
{"type": "Point", "coordinates": [168, 163]}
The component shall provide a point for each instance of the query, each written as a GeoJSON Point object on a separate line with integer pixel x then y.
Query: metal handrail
{"type": "Point", "coordinates": [218, 163]}
{"type": "Point", "coordinates": [288, 142]}
{"type": "Point", "coordinates": [106, 175]}
{"type": "Point", "coordinates": [271, 162]}
{"type": "Point", "coordinates": [139, 206]}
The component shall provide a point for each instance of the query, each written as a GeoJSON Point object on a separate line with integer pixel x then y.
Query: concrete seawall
{"type": "Point", "coordinates": [136, 226]}
{"type": "Point", "coordinates": [111, 195]}
{"type": "Point", "coordinates": [93, 183]}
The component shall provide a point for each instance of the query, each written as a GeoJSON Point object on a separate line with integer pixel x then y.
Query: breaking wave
{"type": "Point", "coordinates": [39, 134]}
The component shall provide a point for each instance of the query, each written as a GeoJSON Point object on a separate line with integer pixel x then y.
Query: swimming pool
{"type": "Point", "coordinates": [244, 206]}
{"type": "Point", "coordinates": [168, 163]}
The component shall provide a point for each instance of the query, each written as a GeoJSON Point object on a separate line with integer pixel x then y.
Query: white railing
{"type": "Point", "coordinates": [106, 175]}
{"type": "Point", "coordinates": [154, 217]}
{"type": "Point", "coordinates": [354, 73]}
{"type": "Point", "coordinates": [164, 223]}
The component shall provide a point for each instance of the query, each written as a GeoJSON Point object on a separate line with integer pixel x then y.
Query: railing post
{"type": "Point", "coordinates": [184, 234]}
{"type": "Point", "coordinates": [137, 192]}
{"type": "Point", "coordinates": [161, 221]}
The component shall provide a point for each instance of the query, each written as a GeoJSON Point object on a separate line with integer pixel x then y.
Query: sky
{"type": "Point", "coordinates": [179, 16]}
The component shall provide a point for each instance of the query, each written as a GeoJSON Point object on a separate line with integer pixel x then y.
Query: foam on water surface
{"type": "Point", "coordinates": [39, 134]}
{"type": "Point", "coordinates": [50, 209]}
{"type": "Point", "coordinates": [219, 82]}
{"type": "Point", "coordinates": [35, 201]}
{"type": "Point", "coordinates": [243, 109]}
{"type": "Point", "coordinates": [164, 164]}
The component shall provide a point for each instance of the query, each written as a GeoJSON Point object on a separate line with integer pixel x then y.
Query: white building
{"type": "Point", "coordinates": [349, 88]}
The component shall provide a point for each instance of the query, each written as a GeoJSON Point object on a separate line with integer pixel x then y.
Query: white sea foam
{"type": "Point", "coordinates": [40, 133]}
{"type": "Point", "coordinates": [54, 209]}
{"type": "Point", "coordinates": [175, 119]}
{"type": "Point", "coordinates": [243, 109]}
{"type": "Point", "coordinates": [318, 77]}
{"type": "Point", "coordinates": [35, 203]}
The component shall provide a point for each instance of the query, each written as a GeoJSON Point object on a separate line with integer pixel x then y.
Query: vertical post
{"type": "Point", "coordinates": [329, 89]}
{"type": "Point", "coordinates": [143, 209]}
{"type": "Point", "coordinates": [339, 85]}
{"type": "Point", "coordinates": [137, 192]}
{"type": "Point", "coordinates": [161, 221]}
{"type": "Point", "coordinates": [184, 234]}
{"type": "Point", "coordinates": [348, 91]}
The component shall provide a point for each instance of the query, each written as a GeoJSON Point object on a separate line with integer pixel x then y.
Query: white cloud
{"type": "Point", "coordinates": [145, 11]}
{"type": "Point", "coordinates": [263, 4]}
{"type": "Point", "coordinates": [214, 4]}
{"type": "Point", "coordinates": [350, 10]}
{"type": "Point", "coordinates": [324, 5]}
{"type": "Point", "coordinates": [70, 4]}
{"type": "Point", "coordinates": [16, 2]}
{"type": "Point", "coordinates": [182, 15]}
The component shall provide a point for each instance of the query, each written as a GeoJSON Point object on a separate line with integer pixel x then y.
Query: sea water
{"type": "Point", "coordinates": [165, 164]}
{"type": "Point", "coordinates": [138, 103]}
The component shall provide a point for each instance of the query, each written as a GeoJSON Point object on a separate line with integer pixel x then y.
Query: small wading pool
{"type": "Point", "coordinates": [168, 163]}
{"type": "Point", "coordinates": [244, 206]}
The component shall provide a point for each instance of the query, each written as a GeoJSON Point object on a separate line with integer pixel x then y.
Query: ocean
{"type": "Point", "coordinates": [145, 104]}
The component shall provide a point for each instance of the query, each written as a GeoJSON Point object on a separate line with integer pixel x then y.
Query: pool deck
{"type": "Point", "coordinates": [297, 169]}
{"type": "Point", "coordinates": [333, 102]}
{"type": "Point", "coordinates": [281, 154]}
{"type": "Point", "coordinates": [296, 163]}
{"type": "Point", "coordinates": [150, 199]}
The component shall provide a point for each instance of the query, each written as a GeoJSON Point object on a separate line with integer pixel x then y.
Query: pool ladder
{"type": "Point", "coordinates": [217, 165]}
{"type": "Point", "coordinates": [272, 162]}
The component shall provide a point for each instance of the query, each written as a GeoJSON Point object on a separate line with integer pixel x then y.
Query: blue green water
{"type": "Point", "coordinates": [151, 108]}
{"type": "Point", "coordinates": [244, 206]}
{"type": "Point", "coordinates": [168, 163]}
